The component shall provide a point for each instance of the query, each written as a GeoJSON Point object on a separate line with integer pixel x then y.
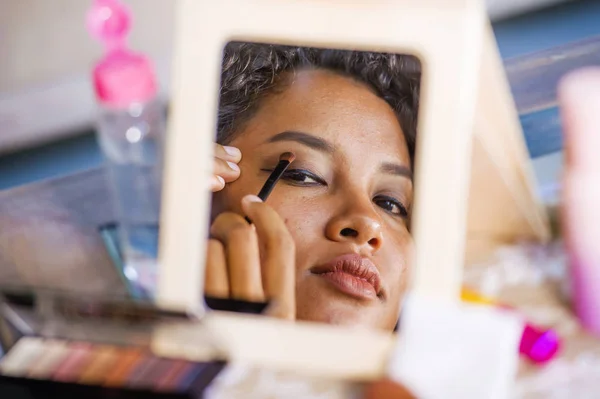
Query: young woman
{"type": "Point", "coordinates": [332, 244]}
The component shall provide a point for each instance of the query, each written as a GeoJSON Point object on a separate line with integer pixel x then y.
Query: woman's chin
{"type": "Point", "coordinates": [341, 313]}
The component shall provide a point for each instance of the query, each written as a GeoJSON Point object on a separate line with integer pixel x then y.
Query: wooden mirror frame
{"type": "Point", "coordinates": [464, 95]}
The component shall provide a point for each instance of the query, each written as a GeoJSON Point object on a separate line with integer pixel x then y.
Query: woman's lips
{"type": "Point", "coordinates": [353, 275]}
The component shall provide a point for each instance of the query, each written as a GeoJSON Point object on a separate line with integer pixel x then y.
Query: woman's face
{"type": "Point", "coordinates": [344, 199]}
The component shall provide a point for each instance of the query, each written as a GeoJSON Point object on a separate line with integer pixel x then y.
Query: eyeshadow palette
{"type": "Point", "coordinates": [61, 368]}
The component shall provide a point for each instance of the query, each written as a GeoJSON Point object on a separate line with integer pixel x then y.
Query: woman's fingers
{"type": "Point", "coordinates": [216, 282]}
{"type": "Point", "coordinates": [225, 168]}
{"type": "Point", "coordinates": [217, 183]}
{"type": "Point", "coordinates": [242, 256]}
{"type": "Point", "coordinates": [228, 170]}
{"type": "Point", "coordinates": [278, 256]}
{"type": "Point", "coordinates": [227, 153]}
{"type": "Point", "coordinates": [255, 261]}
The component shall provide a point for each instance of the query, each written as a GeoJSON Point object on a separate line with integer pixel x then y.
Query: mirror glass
{"type": "Point", "coordinates": [331, 242]}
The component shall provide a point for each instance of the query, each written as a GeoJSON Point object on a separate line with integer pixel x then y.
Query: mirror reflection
{"type": "Point", "coordinates": [331, 242]}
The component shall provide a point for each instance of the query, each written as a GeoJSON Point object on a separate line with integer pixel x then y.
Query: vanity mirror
{"type": "Point", "coordinates": [262, 71]}
{"type": "Point", "coordinates": [244, 81]}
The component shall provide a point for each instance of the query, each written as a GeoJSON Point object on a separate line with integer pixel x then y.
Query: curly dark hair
{"type": "Point", "coordinates": [252, 71]}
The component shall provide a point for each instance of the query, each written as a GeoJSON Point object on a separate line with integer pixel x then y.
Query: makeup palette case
{"type": "Point", "coordinates": [93, 349]}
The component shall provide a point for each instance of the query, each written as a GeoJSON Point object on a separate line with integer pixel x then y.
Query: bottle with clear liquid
{"type": "Point", "coordinates": [130, 131]}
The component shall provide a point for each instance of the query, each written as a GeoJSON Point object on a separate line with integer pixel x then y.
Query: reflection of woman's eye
{"type": "Point", "coordinates": [302, 177]}
{"type": "Point", "coordinates": [391, 205]}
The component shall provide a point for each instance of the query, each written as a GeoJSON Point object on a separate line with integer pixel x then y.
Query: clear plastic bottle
{"type": "Point", "coordinates": [130, 130]}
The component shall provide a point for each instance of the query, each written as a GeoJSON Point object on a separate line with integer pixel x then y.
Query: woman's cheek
{"type": "Point", "coordinates": [300, 215]}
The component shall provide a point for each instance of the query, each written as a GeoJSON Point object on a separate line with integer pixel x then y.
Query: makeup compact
{"type": "Point", "coordinates": [66, 368]}
{"type": "Point", "coordinates": [61, 346]}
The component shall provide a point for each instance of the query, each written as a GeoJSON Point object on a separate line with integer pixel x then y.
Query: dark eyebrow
{"type": "Point", "coordinates": [396, 169]}
{"type": "Point", "coordinates": [319, 144]}
{"type": "Point", "coordinates": [308, 140]}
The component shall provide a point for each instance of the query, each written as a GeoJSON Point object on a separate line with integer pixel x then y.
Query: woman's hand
{"type": "Point", "coordinates": [226, 167]}
{"type": "Point", "coordinates": [252, 262]}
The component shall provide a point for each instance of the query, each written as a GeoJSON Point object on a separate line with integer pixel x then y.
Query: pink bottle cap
{"type": "Point", "coordinates": [122, 77]}
{"type": "Point", "coordinates": [538, 345]}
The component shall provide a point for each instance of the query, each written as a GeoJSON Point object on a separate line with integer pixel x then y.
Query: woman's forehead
{"type": "Point", "coordinates": [336, 108]}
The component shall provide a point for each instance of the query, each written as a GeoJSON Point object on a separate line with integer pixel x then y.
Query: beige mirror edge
{"type": "Point", "coordinates": [446, 121]}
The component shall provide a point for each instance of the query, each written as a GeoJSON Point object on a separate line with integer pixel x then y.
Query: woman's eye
{"type": "Point", "coordinates": [302, 177]}
{"type": "Point", "coordinates": [392, 206]}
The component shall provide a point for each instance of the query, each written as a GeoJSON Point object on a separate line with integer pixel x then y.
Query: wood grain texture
{"type": "Point", "coordinates": [49, 236]}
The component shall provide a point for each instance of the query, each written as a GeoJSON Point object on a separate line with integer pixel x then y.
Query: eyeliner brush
{"type": "Point", "coordinates": [285, 160]}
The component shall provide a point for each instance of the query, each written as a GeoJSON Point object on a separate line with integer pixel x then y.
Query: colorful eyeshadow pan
{"type": "Point", "coordinates": [73, 365]}
{"type": "Point", "coordinates": [145, 364]}
{"type": "Point", "coordinates": [20, 359]}
{"type": "Point", "coordinates": [152, 374]}
{"type": "Point", "coordinates": [186, 380]}
{"type": "Point", "coordinates": [54, 354]}
{"type": "Point", "coordinates": [169, 380]}
{"type": "Point", "coordinates": [103, 360]}
{"type": "Point", "coordinates": [128, 360]}
{"type": "Point", "coordinates": [86, 365]}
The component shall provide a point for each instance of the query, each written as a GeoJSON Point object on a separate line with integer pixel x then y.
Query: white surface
{"type": "Point", "coordinates": [456, 351]}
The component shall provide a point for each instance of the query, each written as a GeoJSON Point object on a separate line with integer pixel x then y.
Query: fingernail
{"type": "Point", "coordinates": [251, 198]}
{"type": "Point", "coordinates": [218, 183]}
{"type": "Point", "coordinates": [233, 166]}
{"type": "Point", "coordinates": [234, 152]}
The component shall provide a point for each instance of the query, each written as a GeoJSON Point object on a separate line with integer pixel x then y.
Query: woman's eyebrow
{"type": "Point", "coordinates": [396, 169]}
{"type": "Point", "coordinates": [306, 139]}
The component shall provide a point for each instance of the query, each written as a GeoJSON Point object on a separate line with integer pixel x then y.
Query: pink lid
{"type": "Point", "coordinates": [122, 77]}
{"type": "Point", "coordinates": [539, 345]}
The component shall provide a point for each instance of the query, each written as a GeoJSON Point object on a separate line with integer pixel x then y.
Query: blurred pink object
{"type": "Point", "coordinates": [538, 345]}
{"type": "Point", "coordinates": [122, 77]}
{"type": "Point", "coordinates": [579, 99]}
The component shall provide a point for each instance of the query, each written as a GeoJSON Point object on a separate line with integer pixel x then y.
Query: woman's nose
{"type": "Point", "coordinates": [358, 227]}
